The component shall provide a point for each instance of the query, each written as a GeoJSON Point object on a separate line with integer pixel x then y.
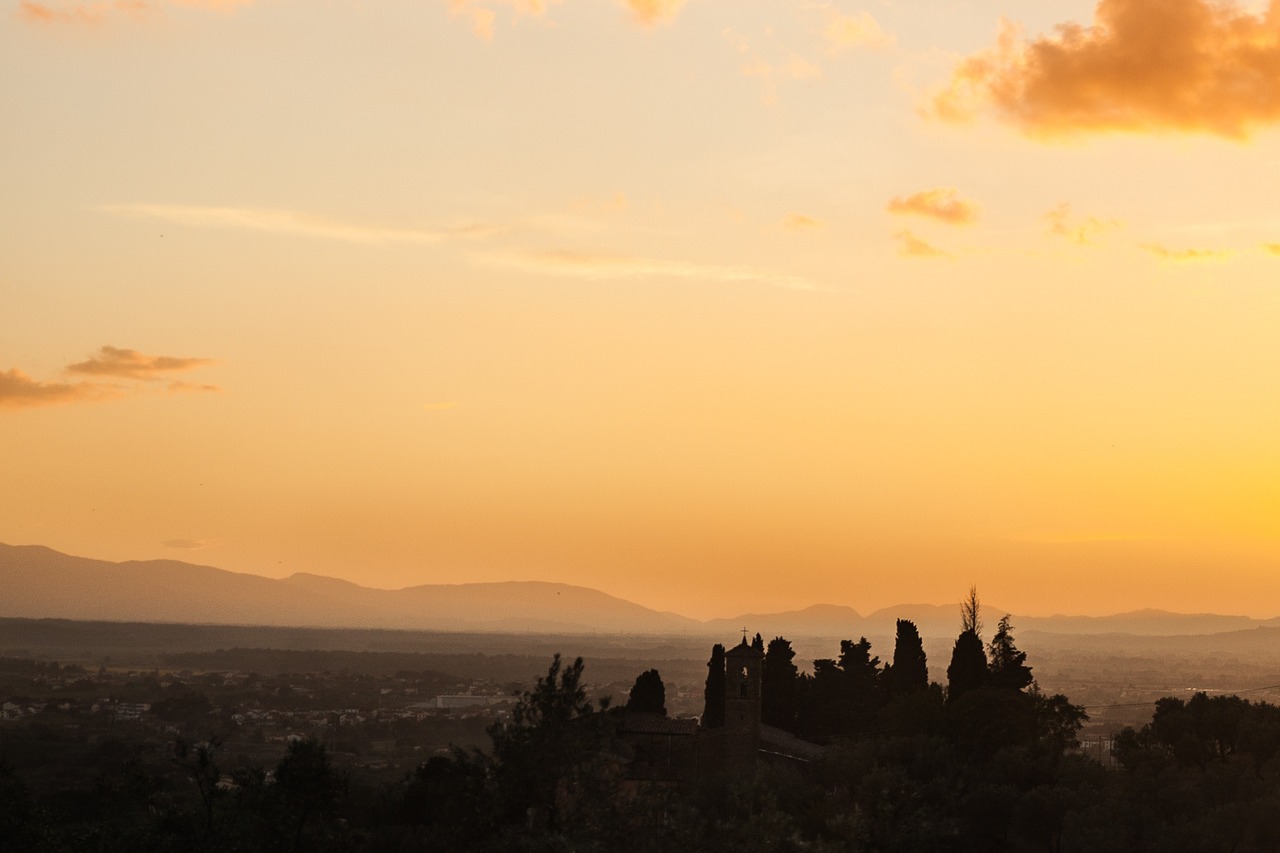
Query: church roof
{"type": "Point", "coordinates": [656, 724]}
{"type": "Point", "coordinates": [744, 648]}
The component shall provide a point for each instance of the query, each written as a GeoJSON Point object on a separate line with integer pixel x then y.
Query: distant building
{"type": "Point", "coordinates": [456, 701]}
{"type": "Point", "coordinates": [675, 750]}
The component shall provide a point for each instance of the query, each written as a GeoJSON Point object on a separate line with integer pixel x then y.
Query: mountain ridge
{"type": "Point", "coordinates": [41, 582]}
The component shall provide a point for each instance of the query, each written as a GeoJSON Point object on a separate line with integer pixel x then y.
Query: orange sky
{"type": "Point", "coordinates": [712, 305]}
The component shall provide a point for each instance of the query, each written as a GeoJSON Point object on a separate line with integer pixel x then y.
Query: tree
{"type": "Point", "coordinates": [842, 697]}
{"type": "Point", "coordinates": [757, 643]}
{"type": "Point", "coordinates": [713, 694]}
{"type": "Point", "coordinates": [968, 669]}
{"type": "Point", "coordinates": [553, 733]}
{"type": "Point", "coordinates": [648, 695]}
{"type": "Point", "coordinates": [1008, 666]}
{"type": "Point", "coordinates": [306, 786]}
{"type": "Point", "coordinates": [970, 615]}
{"type": "Point", "coordinates": [778, 685]}
{"type": "Point", "coordinates": [909, 672]}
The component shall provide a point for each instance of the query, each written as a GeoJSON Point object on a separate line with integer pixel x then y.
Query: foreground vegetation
{"type": "Point", "coordinates": [981, 762]}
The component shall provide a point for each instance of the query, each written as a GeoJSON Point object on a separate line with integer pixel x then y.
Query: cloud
{"type": "Point", "coordinates": [651, 12]}
{"type": "Point", "coordinates": [597, 266]}
{"type": "Point", "coordinates": [845, 32]}
{"type": "Point", "coordinates": [1272, 248]}
{"type": "Point", "coordinates": [771, 75]}
{"type": "Point", "coordinates": [179, 386]}
{"type": "Point", "coordinates": [295, 222]}
{"type": "Point", "coordinates": [97, 11]}
{"type": "Point", "coordinates": [800, 222]}
{"type": "Point", "coordinates": [483, 15]}
{"type": "Point", "coordinates": [18, 390]}
{"type": "Point", "coordinates": [1082, 232]}
{"type": "Point", "coordinates": [911, 246]}
{"type": "Point", "coordinates": [1143, 66]}
{"type": "Point", "coordinates": [131, 364]}
{"type": "Point", "coordinates": [943, 204]}
{"type": "Point", "coordinates": [188, 544]}
{"type": "Point", "coordinates": [1185, 254]}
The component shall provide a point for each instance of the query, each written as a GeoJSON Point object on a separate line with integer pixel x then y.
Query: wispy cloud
{"type": "Point", "coordinates": [1082, 231]}
{"type": "Point", "coordinates": [800, 222]}
{"type": "Point", "coordinates": [131, 364]}
{"type": "Point", "coordinates": [911, 246]}
{"type": "Point", "coordinates": [188, 544]}
{"type": "Point", "coordinates": [843, 31]}
{"type": "Point", "coordinates": [179, 386]}
{"type": "Point", "coordinates": [19, 391]}
{"type": "Point", "coordinates": [113, 369]}
{"type": "Point", "coordinates": [296, 222]}
{"type": "Point", "coordinates": [651, 12]}
{"type": "Point", "coordinates": [1142, 66]}
{"type": "Point", "coordinates": [771, 75]}
{"type": "Point", "coordinates": [601, 266]}
{"type": "Point", "coordinates": [98, 11]}
{"type": "Point", "coordinates": [943, 204]}
{"type": "Point", "coordinates": [483, 14]}
{"type": "Point", "coordinates": [1167, 254]}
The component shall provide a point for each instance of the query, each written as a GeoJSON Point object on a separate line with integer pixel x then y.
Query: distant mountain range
{"type": "Point", "coordinates": [38, 582]}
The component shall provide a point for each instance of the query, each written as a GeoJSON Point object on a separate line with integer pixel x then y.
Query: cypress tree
{"type": "Point", "coordinates": [713, 695]}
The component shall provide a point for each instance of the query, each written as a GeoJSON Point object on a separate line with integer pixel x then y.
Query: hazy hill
{"type": "Point", "coordinates": [39, 582]}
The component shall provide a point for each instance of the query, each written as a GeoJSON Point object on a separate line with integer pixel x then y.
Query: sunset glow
{"type": "Point", "coordinates": [715, 306]}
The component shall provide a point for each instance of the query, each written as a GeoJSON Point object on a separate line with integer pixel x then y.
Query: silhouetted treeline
{"type": "Point", "coordinates": [982, 762]}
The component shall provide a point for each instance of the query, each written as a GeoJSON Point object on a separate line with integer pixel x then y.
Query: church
{"type": "Point", "coordinates": [675, 751]}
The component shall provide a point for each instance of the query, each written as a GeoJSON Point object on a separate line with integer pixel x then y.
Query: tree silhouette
{"type": "Point", "coordinates": [553, 730]}
{"type": "Point", "coordinates": [648, 695]}
{"type": "Point", "coordinates": [970, 613]}
{"type": "Point", "coordinates": [306, 786]}
{"type": "Point", "coordinates": [713, 694]}
{"type": "Point", "coordinates": [757, 643]}
{"type": "Point", "coordinates": [968, 668]}
{"type": "Point", "coordinates": [909, 672]}
{"type": "Point", "coordinates": [778, 685]}
{"type": "Point", "coordinates": [1008, 666]}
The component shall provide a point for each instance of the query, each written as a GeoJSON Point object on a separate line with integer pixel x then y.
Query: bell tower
{"type": "Point", "coordinates": [743, 669]}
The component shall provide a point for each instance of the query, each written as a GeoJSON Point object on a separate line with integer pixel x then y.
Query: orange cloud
{"type": "Point", "coordinates": [95, 11]}
{"type": "Point", "coordinates": [943, 204]}
{"type": "Point", "coordinates": [771, 74]}
{"type": "Point", "coordinates": [18, 390]}
{"type": "Point", "coordinates": [1082, 232]}
{"type": "Point", "coordinates": [911, 246]}
{"type": "Point", "coordinates": [188, 544]}
{"type": "Point", "coordinates": [131, 364]}
{"type": "Point", "coordinates": [482, 13]}
{"type": "Point", "coordinates": [1185, 254]}
{"type": "Point", "coordinates": [1143, 66]}
{"type": "Point", "coordinates": [845, 32]}
{"type": "Point", "coordinates": [650, 12]}
{"type": "Point", "coordinates": [297, 222]}
{"type": "Point", "coordinates": [797, 222]}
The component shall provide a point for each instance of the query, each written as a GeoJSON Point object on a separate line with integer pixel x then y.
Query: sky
{"type": "Point", "coordinates": [717, 306]}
